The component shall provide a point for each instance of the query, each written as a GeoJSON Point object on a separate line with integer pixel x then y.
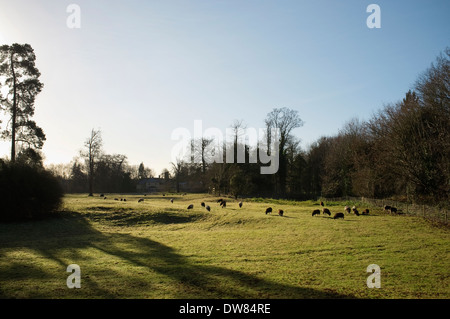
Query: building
{"type": "Point", "coordinates": [151, 185]}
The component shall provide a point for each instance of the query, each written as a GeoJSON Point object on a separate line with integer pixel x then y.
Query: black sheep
{"type": "Point", "coordinates": [269, 210]}
{"type": "Point", "coordinates": [326, 211]}
{"type": "Point", "coordinates": [280, 212]}
{"type": "Point", "coordinates": [338, 215]}
{"type": "Point", "coordinates": [190, 206]}
{"type": "Point", "coordinates": [316, 212]}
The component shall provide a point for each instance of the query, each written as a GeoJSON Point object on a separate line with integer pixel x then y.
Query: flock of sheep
{"type": "Point", "coordinates": [347, 209]}
{"type": "Point", "coordinates": [223, 204]}
{"type": "Point", "coordinates": [325, 211]}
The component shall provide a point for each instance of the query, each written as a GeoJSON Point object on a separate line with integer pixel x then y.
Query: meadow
{"type": "Point", "coordinates": [161, 250]}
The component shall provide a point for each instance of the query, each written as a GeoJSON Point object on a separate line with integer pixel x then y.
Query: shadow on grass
{"type": "Point", "coordinates": [65, 240]}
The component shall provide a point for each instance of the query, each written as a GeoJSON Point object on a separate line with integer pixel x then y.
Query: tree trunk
{"type": "Point", "coordinates": [14, 114]}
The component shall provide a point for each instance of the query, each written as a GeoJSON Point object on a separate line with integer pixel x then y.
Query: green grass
{"type": "Point", "coordinates": [156, 249]}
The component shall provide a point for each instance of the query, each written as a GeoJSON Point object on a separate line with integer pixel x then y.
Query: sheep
{"type": "Point", "coordinates": [347, 209]}
{"type": "Point", "coordinates": [208, 208]}
{"type": "Point", "coordinates": [140, 200]}
{"type": "Point", "coordinates": [355, 211]}
{"type": "Point", "coordinates": [121, 199]}
{"type": "Point", "coordinates": [203, 204]}
{"type": "Point", "coordinates": [316, 212]}
{"type": "Point", "coordinates": [393, 210]}
{"type": "Point", "coordinates": [171, 200]}
{"type": "Point", "coordinates": [269, 210]}
{"type": "Point", "coordinates": [190, 206]}
{"type": "Point", "coordinates": [338, 215]}
{"type": "Point", "coordinates": [102, 195]}
{"type": "Point", "coordinates": [365, 212]}
{"type": "Point", "coordinates": [387, 207]}
{"type": "Point", "coordinates": [220, 200]}
{"type": "Point", "coordinates": [326, 211]}
{"type": "Point", "coordinates": [124, 199]}
{"type": "Point", "coordinates": [240, 204]}
{"type": "Point", "coordinates": [321, 204]}
{"type": "Point", "coordinates": [223, 204]}
{"type": "Point", "coordinates": [116, 199]}
{"type": "Point", "coordinates": [280, 212]}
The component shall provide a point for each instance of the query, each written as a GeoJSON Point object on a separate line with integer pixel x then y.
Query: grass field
{"type": "Point", "coordinates": [158, 249]}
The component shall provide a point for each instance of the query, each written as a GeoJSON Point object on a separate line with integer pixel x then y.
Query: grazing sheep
{"type": "Point", "coordinates": [121, 199]}
{"type": "Point", "coordinates": [316, 212]}
{"type": "Point", "coordinates": [326, 211]}
{"type": "Point", "coordinates": [321, 204]}
{"type": "Point", "coordinates": [387, 207]}
{"type": "Point", "coordinates": [355, 211]}
{"type": "Point", "coordinates": [190, 206]}
{"type": "Point", "coordinates": [338, 215]}
{"type": "Point", "coordinates": [269, 210]}
{"type": "Point", "coordinates": [203, 204]}
{"type": "Point", "coordinates": [102, 195]}
{"type": "Point", "coordinates": [124, 199]}
{"type": "Point", "coordinates": [220, 200]}
{"type": "Point", "coordinates": [347, 209]}
{"type": "Point", "coordinates": [240, 204]}
{"type": "Point", "coordinates": [223, 204]}
{"type": "Point", "coordinates": [208, 208]}
{"type": "Point", "coordinates": [140, 200]}
{"type": "Point", "coordinates": [164, 194]}
{"type": "Point", "coordinates": [365, 212]}
{"type": "Point", "coordinates": [116, 199]}
{"type": "Point", "coordinates": [171, 200]}
{"type": "Point", "coordinates": [280, 212]}
{"type": "Point", "coordinates": [393, 210]}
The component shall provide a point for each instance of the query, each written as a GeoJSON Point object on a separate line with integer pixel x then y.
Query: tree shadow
{"type": "Point", "coordinates": [68, 237]}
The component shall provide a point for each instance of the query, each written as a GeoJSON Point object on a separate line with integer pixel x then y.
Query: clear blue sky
{"type": "Point", "coordinates": [139, 69]}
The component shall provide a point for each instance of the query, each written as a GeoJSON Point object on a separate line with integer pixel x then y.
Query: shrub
{"type": "Point", "coordinates": [27, 193]}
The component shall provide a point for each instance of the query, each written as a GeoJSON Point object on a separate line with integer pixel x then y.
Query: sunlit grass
{"type": "Point", "coordinates": [159, 249]}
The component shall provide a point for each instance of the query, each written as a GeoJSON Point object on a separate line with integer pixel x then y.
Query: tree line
{"type": "Point", "coordinates": [401, 151]}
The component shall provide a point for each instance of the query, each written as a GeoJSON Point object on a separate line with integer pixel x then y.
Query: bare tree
{"type": "Point", "coordinates": [284, 120]}
{"type": "Point", "coordinates": [177, 170]}
{"type": "Point", "coordinates": [92, 153]}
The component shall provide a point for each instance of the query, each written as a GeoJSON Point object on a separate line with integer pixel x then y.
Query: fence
{"type": "Point", "coordinates": [429, 212]}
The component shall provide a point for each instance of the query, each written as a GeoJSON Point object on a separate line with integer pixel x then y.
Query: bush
{"type": "Point", "coordinates": [27, 193]}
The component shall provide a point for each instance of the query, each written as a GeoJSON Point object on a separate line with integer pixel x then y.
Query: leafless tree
{"type": "Point", "coordinates": [92, 153]}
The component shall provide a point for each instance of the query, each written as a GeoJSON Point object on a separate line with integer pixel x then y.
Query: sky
{"type": "Point", "coordinates": [138, 70]}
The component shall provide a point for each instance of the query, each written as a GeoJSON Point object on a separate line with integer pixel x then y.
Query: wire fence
{"type": "Point", "coordinates": [429, 212]}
